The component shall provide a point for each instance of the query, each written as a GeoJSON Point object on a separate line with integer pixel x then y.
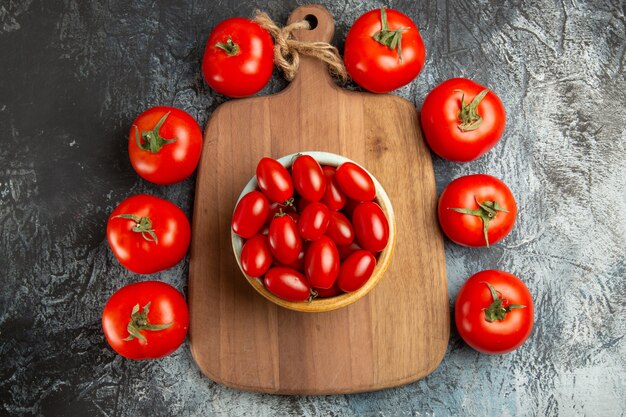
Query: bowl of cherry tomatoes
{"type": "Point", "coordinates": [313, 231]}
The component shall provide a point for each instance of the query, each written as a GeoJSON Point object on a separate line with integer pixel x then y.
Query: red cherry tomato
{"type": "Point", "coordinates": [466, 222]}
{"type": "Point", "coordinates": [347, 250]}
{"type": "Point", "coordinates": [287, 284]}
{"type": "Point", "coordinates": [370, 226]}
{"type": "Point", "coordinates": [383, 50]}
{"type": "Point", "coordinates": [148, 234]}
{"type": "Point", "coordinates": [277, 208]}
{"type": "Point", "coordinates": [350, 206]}
{"type": "Point", "coordinates": [328, 292]}
{"type": "Point", "coordinates": [274, 180]}
{"type": "Point", "coordinates": [355, 270]}
{"type": "Point", "coordinates": [164, 145]}
{"type": "Point", "coordinates": [284, 240]}
{"type": "Point", "coordinates": [298, 264]}
{"type": "Point", "coordinates": [314, 221]}
{"type": "Point", "coordinates": [250, 214]}
{"type": "Point", "coordinates": [256, 256]}
{"type": "Point", "coordinates": [334, 198]}
{"type": "Point", "coordinates": [494, 312]}
{"type": "Point", "coordinates": [308, 178]}
{"type": "Point", "coordinates": [460, 122]}
{"type": "Point", "coordinates": [321, 264]}
{"type": "Point", "coordinates": [355, 182]}
{"type": "Point", "coordinates": [239, 58]}
{"type": "Point", "coordinates": [340, 229]}
{"type": "Point", "coordinates": [146, 320]}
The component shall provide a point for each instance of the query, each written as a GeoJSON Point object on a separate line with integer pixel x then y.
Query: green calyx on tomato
{"type": "Point", "coordinates": [487, 210]}
{"type": "Point", "coordinates": [139, 321]}
{"type": "Point", "coordinates": [500, 307]}
{"type": "Point", "coordinates": [143, 225]}
{"type": "Point", "coordinates": [468, 115]}
{"type": "Point", "coordinates": [152, 140]}
{"type": "Point", "coordinates": [392, 39]}
{"type": "Point", "coordinates": [230, 47]}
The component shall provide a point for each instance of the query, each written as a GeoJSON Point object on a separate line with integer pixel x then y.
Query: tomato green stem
{"type": "Point", "coordinates": [139, 321]}
{"type": "Point", "coordinates": [468, 115]}
{"type": "Point", "coordinates": [152, 140]}
{"type": "Point", "coordinates": [142, 225]}
{"type": "Point", "coordinates": [230, 47]}
{"type": "Point", "coordinates": [487, 210]}
{"type": "Point", "coordinates": [500, 307]}
{"type": "Point", "coordinates": [392, 39]}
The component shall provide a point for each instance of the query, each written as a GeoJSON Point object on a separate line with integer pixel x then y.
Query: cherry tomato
{"type": "Point", "coordinates": [494, 312]}
{"type": "Point", "coordinates": [308, 178]}
{"type": "Point", "coordinates": [477, 210]}
{"type": "Point", "coordinates": [321, 263]}
{"type": "Point", "coordinates": [298, 264]}
{"type": "Point", "coordinates": [277, 208]}
{"type": "Point", "coordinates": [383, 50]}
{"type": "Point", "coordinates": [355, 182]}
{"type": "Point", "coordinates": [328, 292]}
{"type": "Point", "coordinates": [148, 234]}
{"type": "Point", "coordinates": [340, 229]}
{"type": "Point", "coordinates": [314, 221]}
{"type": "Point", "coordinates": [462, 119]}
{"type": "Point", "coordinates": [274, 180]}
{"type": "Point", "coordinates": [239, 58]}
{"type": "Point", "coordinates": [287, 284]}
{"type": "Point", "coordinates": [164, 145]}
{"type": "Point", "coordinates": [348, 209]}
{"type": "Point", "coordinates": [146, 320]}
{"type": "Point", "coordinates": [355, 270]}
{"type": "Point", "coordinates": [333, 197]}
{"type": "Point", "coordinates": [284, 239]}
{"type": "Point", "coordinates": [370, 226]}
{"type": "Point", "coordinates": [256, 256]}
{"type": "Point", "coordinates": [347, 250]}
{"type": "Point", "coordinates": [250, 214]}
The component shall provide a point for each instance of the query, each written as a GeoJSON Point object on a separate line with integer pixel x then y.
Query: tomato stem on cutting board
{"type": "Point", "coordinates": [392, 39]}
{"type": "Point", "coordinates": [468, 115]}
{"type": "Point", "coordinates": [143, 225]}
{"type": "Point", "coordinates": [500, 307]}
{"type": "Point", "coordinates": [152, 140]}
{"type": "Point", "coordinates": [230, 47]}
{"type": "Point", "coordinates": [139, 321]}
{"type": "Point", "coordinates": [487, 210]}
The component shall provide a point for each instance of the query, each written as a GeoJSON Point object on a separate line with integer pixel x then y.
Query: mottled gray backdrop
{"type": "Point", "coordinates": [75, 73]}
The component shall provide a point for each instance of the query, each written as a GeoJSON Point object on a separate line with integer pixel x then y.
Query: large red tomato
{"type": "Point", "coordinates": [477, 210]}
{"type": "Point", "coordinates": [494, 312]}
{"type": "Point", "coordinates": [148, 234]}
{"type": "Point", "coordinates": [383, 50]}
{"type": "Point", "coordinates": [239, 58]}
{"type": "Point", "coordinates": [462, 119]}
{"type": "Point", "coordinates": [164, 145]}
{"type": "Point", "coordinates": [145, 320]}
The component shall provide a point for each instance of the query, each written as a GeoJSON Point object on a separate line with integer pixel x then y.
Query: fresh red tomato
{"type": "Point", "coordinates": [239, 58]}
{"type": "Point", "coordinates": [146, 320]}
{"type": "Point", "coordinates": [494, 312]}
{"type": "Point", "coordinates": [164, 145]}
{"type": "Point", "coordinates": [148, 234]}
{"type": "Point", "coordinates": [274, 180]}
{"type": "Point", "coordinates": [287, 284]}
{"type": "Point", "coordinates": [355, 182]}
{"type": "Point", "coordinates": [298, 264]}
{"type": "Point", "coordinates": [462, 119]}
{"type": "Point", "coordinates": [355, 270]}
{"type": "Point", "coordinates": [340, 229]}
{"type": "Point", "coordinates": [250, 214]}
{"type": "Point", "coordinates": [277, 208]}
{"type": "Point", "coordinates": [256, 256]}
{"type": "Point", "coordinates": [328, 292]}
{"type": "Point", "coordinates": [383, 50]}
{"type": "Point", "coordinates": [314, 221]}
{"type": "Point", "coordinates": [370, 226]}
{"type": "Point", "coordinates": [284, 239]}
{"type": "Point", "coordinates": [308, 178]}
{"type": "Point", "coordinates": [333, 197]}
{"type": "Point", "coordinates": [347, 250]}
{"type": "Point", "coordinates": [477, 210]}
{"type": "Point", "coordinates": [321, 263]}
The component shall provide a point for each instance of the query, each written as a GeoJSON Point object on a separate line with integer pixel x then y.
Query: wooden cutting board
{"type": "Point", "coordinates": [396, 334]}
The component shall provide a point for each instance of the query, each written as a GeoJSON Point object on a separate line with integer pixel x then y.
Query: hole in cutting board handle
{"type": "Point", "coordinates": [312, 21]}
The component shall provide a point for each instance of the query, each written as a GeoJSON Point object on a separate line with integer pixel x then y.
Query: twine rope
{"type": "Point", "coordinates": [287, 50]}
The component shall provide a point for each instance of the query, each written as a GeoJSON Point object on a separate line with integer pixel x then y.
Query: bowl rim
{"type": "Point", "coordinates": [345, 299]}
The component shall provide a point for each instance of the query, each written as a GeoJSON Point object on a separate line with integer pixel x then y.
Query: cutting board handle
{"type": "Point", "coordinates": [313, 73]}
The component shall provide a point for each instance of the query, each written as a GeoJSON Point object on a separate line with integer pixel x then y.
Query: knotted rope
{"type": "Point", "coordinates": [287, 50]}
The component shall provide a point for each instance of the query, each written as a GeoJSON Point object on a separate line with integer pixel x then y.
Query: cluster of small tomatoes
{"type": "Point", "coordinates": [314, 232]}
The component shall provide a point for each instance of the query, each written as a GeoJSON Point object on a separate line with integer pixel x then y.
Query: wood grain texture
{"type": "Point", "coordinates": [396, 334]}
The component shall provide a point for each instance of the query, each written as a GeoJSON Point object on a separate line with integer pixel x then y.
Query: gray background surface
{"type": "Point", "coordinates": [73, 76]}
